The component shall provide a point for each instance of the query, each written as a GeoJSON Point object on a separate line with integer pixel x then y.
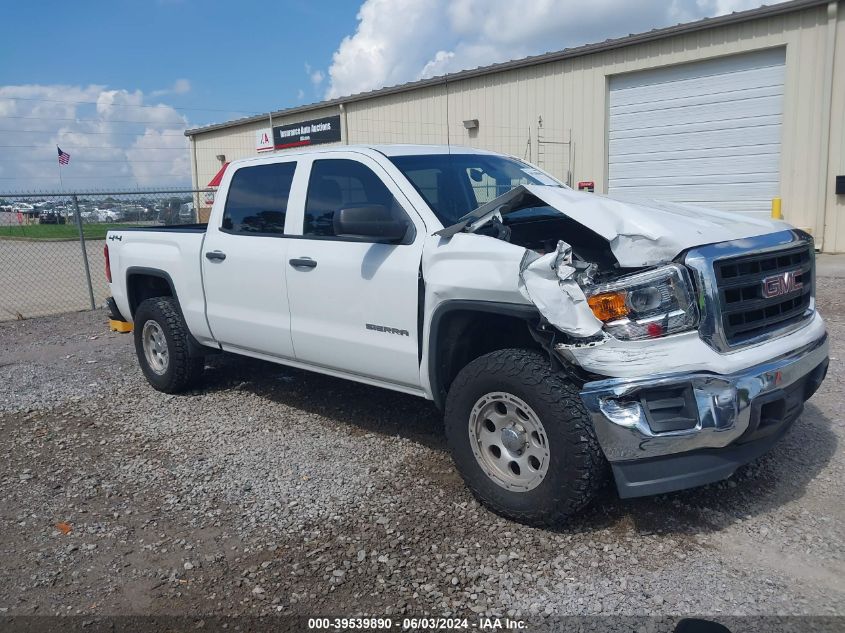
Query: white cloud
{"type": "Point", "coordinates": [300, 94]}
{"type": "Point", "coordinates": [393, 42]}
{"type": "Point", "coordinates": [315, 76]}
{"type": "Point", "coordinates": [152, 161]}
{"type": "Point", "coordinates": [403, 40]}
{"type": "Point", "coordinates": [179, 87]}
{"type": "Point", "coordinates": [112, 141]}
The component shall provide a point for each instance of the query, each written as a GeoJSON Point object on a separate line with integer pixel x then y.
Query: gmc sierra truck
{"type": "Point", "coordinates": [566, 336]}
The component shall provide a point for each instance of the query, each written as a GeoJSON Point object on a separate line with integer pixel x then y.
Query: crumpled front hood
{"type": "Point", "coordinates": [640, 233]}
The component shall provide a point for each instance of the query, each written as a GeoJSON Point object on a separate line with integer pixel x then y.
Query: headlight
{"type": "Point", "coordinates": [655, 303]}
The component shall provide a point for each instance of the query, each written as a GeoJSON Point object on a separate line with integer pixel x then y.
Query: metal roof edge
{"type": "Point", "coordinates": [737, 17]}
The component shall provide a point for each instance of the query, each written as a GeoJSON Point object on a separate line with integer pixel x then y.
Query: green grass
{"type": "Point", "coordinates": [57, 231]}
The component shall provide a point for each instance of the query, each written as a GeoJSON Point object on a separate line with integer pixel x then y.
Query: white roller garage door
{"type": "Point", "coordinates": [706, 133]}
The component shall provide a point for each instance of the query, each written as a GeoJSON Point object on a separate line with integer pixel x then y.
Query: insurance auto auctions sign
{"type": "Point", "coordinates": [313, 132]}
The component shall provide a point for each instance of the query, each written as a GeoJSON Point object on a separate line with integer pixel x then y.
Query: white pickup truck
{"type": "Point", "coordinates": [560, 332]}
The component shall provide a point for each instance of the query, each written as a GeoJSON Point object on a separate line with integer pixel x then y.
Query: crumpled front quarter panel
{"type": "Point", "coordinates": [471, 267]}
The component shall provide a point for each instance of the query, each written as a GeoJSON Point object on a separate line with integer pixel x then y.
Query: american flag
{"type": "Point", "coordinates": [64, 157]}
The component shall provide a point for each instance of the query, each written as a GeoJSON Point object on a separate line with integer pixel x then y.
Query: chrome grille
{"type": "Point", "coordinates": [746, 312]}
{"type": "Point", "coordinates": [729, 279]}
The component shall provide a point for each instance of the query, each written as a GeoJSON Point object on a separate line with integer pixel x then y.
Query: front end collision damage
{"type": "Point", "coordinates": [486, 274]}
{"type": "Point", "coordinates": [727, 421]}
{"type": "Point", "coordinates": [635, 236]}
{"type": "Point", "coordinates": [720, 410]}
{"type": "Point", "coordinates": [482, 274]}
{"type": "Point", "coordinates": [639, 234]}
{"type": "Point", "coordinates": [717, 396]}
{"type": "Point", "coordinates": [549, 282]}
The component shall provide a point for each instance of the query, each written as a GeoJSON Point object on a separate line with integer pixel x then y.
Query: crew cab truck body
{"type": "Point", "coordinates": [560, 332]}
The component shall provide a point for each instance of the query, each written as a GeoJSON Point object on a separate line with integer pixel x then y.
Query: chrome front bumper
{"type": "Point", "coordinates": [727, 406]}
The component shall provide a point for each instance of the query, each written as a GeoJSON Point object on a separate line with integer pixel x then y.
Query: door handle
{"type": "Point", "coordinates": [215, 255]}
{"type": "Point", "coordinates": [303, 262]}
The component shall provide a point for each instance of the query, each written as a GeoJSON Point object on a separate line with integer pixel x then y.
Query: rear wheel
{"type": "Point", "coordinates": [521, 438]}
{"type": "Point", "coordinates": [162, 347]}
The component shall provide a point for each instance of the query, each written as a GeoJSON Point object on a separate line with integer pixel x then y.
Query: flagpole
{"type": "Point", "coordinates": [61, 184]}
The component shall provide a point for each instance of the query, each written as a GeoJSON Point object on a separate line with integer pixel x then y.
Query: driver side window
{"type": "Point", "coordinates": [337, 184]}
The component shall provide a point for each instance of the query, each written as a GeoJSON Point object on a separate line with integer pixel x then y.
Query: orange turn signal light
{"type": "Point", "coordinates": [608, 306]}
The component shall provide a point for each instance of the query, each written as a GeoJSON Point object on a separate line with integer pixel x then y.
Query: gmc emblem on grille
{"type": "Point", "coordinates": [778, 285]}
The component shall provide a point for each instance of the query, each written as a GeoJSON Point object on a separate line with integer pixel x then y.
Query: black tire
{"type": "Point", "coordinates": [183, 370]}
{"type": "Point", "coordinates": [576, 466]}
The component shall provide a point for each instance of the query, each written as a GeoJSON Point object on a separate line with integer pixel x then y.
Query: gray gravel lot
{"type": "Point", "coordinates": [273, 490]}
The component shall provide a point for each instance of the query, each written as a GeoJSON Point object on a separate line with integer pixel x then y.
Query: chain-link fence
{"type": "Point", "coordinates": [51, 244]}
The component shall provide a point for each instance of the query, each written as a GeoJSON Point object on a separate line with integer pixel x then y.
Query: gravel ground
{"type": "Point", "coordinates": [273, 490]}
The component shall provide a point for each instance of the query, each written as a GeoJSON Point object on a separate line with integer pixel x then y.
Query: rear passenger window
{"type": "Point", "coordinates": [337, 184]}
{"type": "Point", "coordinates": [258, 199]}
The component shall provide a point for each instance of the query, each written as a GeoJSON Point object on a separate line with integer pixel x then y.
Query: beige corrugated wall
{"type": "Point", "coordinates": [571, 98]}
{"type": "Point", "coordinates": [835, 211]}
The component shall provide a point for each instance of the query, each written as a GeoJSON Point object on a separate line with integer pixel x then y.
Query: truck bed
{"type": "Point", "coordinates": [170, 252]}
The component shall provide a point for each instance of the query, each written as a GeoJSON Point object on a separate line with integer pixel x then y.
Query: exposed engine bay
{"type": "Point", "coordinates": [540, 228]}
{"type": "Point", "coordinates": [580, 256]}
{"type": "Point", "coordinates": [541, 234]}
{"type": "Point", "coordinates": [521, 218]}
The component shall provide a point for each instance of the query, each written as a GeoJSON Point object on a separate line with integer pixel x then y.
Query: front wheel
{"type": "Point", "coordinates": [161, 344]}
{"type": "Point", "coordinates": [521, 438]}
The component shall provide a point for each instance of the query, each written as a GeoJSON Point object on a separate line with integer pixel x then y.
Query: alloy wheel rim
{"type": "Point", "coordinates": [509, 441]}
{"type": "Point", "coordinates": [155, 347]}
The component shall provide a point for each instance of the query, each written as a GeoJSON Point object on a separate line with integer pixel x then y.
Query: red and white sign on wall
{"type": "Point", "coordinates": [264, 140]}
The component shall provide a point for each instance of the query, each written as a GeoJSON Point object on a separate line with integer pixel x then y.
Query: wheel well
{"type": "Point", "coordinates": [142, 286]}
{"type": "Point", "coordinates": [462, 335]}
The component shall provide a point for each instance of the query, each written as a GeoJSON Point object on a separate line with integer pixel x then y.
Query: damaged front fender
{"type": "Point", "coordinates": [483, 268]}
{"type": "Point", "coordinates": [548, 281]}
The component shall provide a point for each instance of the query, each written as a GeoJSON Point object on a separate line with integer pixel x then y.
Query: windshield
{"type": "Point", "coordinates": [455, 184]}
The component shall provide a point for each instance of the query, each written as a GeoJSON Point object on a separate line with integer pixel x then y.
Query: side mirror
{"type": "Point", "coordinates": [373, 222]}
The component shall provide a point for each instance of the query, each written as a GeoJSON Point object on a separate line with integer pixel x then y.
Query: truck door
{"type": "Point", "coordinates": [244, 261]}
{"type": "Point", "coordinates": [354, 303]}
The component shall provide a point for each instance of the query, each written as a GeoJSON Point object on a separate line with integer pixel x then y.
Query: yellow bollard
{"type": "Point", "coordinates": [777, 214]}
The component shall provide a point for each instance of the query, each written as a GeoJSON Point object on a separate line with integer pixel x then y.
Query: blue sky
{"type": "Point", "coordinates": [116, 83]}
{"type": "Point", "coordinates": [240, 56]}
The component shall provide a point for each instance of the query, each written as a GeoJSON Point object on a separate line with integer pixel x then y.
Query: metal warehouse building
{"type": "Point", "coordinates": [729, 112]}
